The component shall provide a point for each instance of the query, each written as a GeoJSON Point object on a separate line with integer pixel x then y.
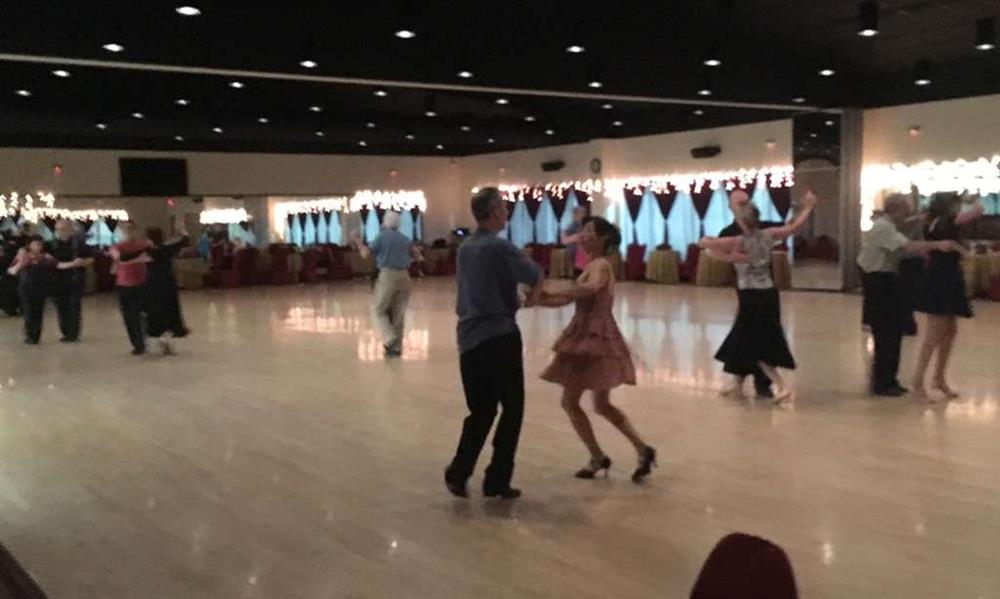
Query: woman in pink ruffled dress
{"type": "Point", "coordinates": [591, 354]}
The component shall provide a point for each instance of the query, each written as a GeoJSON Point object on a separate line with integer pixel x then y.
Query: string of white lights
{"type": "Point", "coordinates": [398, 201]}
{"type": "Point", "coordinates": [25, 206]}
{"type": "Point", "coordinates": [224, 216]}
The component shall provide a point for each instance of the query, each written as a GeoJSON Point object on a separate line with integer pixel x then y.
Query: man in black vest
{"type": "Point", "coordinates": [737, 199]}
{"type": "Point", "coordinates": [74, 257]}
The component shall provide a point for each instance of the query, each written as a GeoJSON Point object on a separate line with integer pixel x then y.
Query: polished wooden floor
{"type": "Point", "coordinates": [279, 456]}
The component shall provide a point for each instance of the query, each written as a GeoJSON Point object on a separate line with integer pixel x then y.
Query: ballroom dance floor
{"type": "Point", "coordinates": [278, 456]}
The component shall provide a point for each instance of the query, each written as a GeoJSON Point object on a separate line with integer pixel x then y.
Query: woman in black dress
{"type": "Point", "coordinates": [34, 269]}
{"type": "Point", "coordinates": [943, 299]}
{"type": "Point", "coordinates": [163, 305]}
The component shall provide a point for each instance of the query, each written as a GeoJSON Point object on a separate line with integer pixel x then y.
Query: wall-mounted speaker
{"type": "Point", "coordinates": [706, 152]}
{"type": "Point", "coordinates": [553, 165]}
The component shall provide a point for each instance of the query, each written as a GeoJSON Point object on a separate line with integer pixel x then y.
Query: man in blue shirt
{"type": "Point", "coordinates": [489, 271]}
{"type": "Point", "coordinates": [393, 254]}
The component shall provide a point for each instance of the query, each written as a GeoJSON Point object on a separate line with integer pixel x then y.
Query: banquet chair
{"type": "Point", "coordinates": [312, 266]}
{"type": "Point", "coordinates": [689, 268]}
{"type": "Point", "coordinates": [280, 272]}
{"type": "Point", "coordinates": [102, 271]}
{"type": "Point", "coordinates": [747, 567]}
{"type": "Point", "coordinates": [635, 262]}
{"type": "Point", "coordinates": [337, 267]}
{"type": "Point", "coordinates": [542, 255]}
{"type": "Point", "coordinates": [241, 274]}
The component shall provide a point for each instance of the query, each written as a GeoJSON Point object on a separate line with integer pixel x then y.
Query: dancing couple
{"type": "Point", "coordinates": [591, 354]}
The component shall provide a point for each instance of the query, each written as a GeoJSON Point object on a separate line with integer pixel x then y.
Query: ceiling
{"type": "Point", "coordinates": [771, 52]}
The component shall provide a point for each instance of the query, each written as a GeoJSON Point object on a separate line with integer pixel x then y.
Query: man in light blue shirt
{"type": "Point", "coordinates": [393, 253]}
{"type": "Point", "coordinates": [489, 271]}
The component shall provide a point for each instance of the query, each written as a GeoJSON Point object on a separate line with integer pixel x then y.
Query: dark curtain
{"type": "Point", "coordinates": [290, 221]}
{"type": "Point", "coordinates": [245, 225]}
{"type": "Point", "coordinates": [49, 222]}
{"type": "Point", "coordinates": [112, 223]}
{"type": "Point", "coordinates": [782, 198]}
{"type": "Point", "coordinates": [510, 204]}
{"type": "Point", "coordinates": [633, 200]}
{"type": "Point", "coordinates": [380, 214]}
{"type": "Point", "coordinates": [364, 217]}
{"type": "Point", "coordinates": [315, 218]}
{"type": "Point", "coordinates": [701, 198]}
{"type": "Point", "coordinates": [558, 200]}
{"type": "Point", "coordinates": [665, 200]}
{"type": "Point", "coordinates": [533, 203]}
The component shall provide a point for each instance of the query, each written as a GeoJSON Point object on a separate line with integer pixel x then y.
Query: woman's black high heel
{"type": "Point", "coordinates": [594, 468]}
{"type": "Point", "coordinates": [647, 461]}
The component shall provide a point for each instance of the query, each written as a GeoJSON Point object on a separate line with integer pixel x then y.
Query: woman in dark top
{"type": "Point", "coordinates": [943, 299]}
{"type": "Point", "coordinates": [163, 305]}
{"type": "Point", "coordinates": [34, 269]}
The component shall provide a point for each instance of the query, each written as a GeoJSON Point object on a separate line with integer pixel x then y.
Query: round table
{"type": "Point", "coordinates": [433, 257]}
{"type": "Point", "coordinates": [980, 270]}
{"type": "Point", "coordinates": [559, 264]}
{"type": "Point", "coordinates": [663, 267]}
{"type": "Point", "coordinates": [713, 272]}
{"type": "Point", "coordinates": [359, 265]}
{"type": "Point", "coordinates": [190, 272]}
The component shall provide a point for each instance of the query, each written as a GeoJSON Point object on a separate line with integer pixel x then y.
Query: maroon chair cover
{"type": "Point", "coordinates": [312, 270]}
{"type": "Point", "coordinates": [338, 268]}
{"type": "Point", "coordinates": [243, 269]}
{"type": "Point", "coordinates": [689, 268]}
{"type": "Point", "coordinates": [635, 263]}
{"type": "Point", "coordinates": [102, 271]}
{"type": "Point", "coordinates": [994, 291]}
{"type": "Point", "coordinates": [542, 254]}
{"type": "Point", "coordinates": [281, 272]}
{"type": "Point", "coordinates": [747, 567]}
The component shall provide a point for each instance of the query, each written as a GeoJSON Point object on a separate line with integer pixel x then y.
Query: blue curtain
{"type": "Point", "coordinates": [371, 226]}
{"type": "Point", "coordinates": [118, 235]}
{"type": "Point", "coordinates": [567, 215]}
{"type": "Point", "coordinates": [309, 231]}
{"type": "Point", "coordinates": [406, 224]}
{"type": "Point", "coordinates": [625, 225]}
{"type": "Point", "coordinates": [650, 226]}
{"type": "Point", "coordinates": [520, 225]}
{"type": "Point", "coordinates": [683, 224]}
{"type": "Point", "coordinates": [322, 229]}
{"type": "Point", "coordinates": [100, 234]}
{"type": "Point", "coordinates": [718, 216]}
{"type": "Point", "coordinates": [334, 233]}
{"type": "Point", "coordinates": [8, 224]}
{"type": "Point", "coordinates": [44, 230]}
{"type": "Point", "coordinates": [546, 227]}
{"type": "Point", "coordinates": [762, 200]}
{"type": "Point", "coordinates": [296, 230]}
{"type": "Point", "coordinates": [990, 203]}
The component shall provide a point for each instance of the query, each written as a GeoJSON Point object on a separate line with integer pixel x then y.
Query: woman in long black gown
{"type": "Point", "coordinates": [944, 299]}
{"type": "Point", "coordinates": [163, 305]}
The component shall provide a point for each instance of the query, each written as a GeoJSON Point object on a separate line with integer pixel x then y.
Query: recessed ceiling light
{"type": "Point", "coordinates": [868, 32]}
{"type": "Point", "coordinates": [529, 118]}
{"type": "Point", "coordinates": [923, 72]}
{"type": "Point", "coordinates": [868, 18]}
{"type": "Point", "coordinates": [23, 93]}
{"type": "Point", "coordinates": [263, 120]}
{"type": "Point", "coordinates": [320, 134]}
{"type": "Point", "coordinates": [550, 132]}
{"type": "Point", "coordinates": [491, 141]}
{"type": "Point", "coordinates": [704, 92]}
{"type": "Point", "coordinates": [381, 93]}
{"type": "Point", "coordinates": [503, 101]}
{"type": "Point", "coordinates": [188, 11]}
{"type": "Point", "coordinates": [465, 74]}
{"type": "Point", "coordinates": [116, 48]}
{"type": "Point", "coordinates": [575, 49]}
{"type": "Point", "coordinates": [712, 62]}
{"type": "Point", "coordinates": [595, 84]}
{"type": "Point", "coordinates": [315, 109]}
{"type": "Point", "coordinates": [466, 128]}
{"type": "Point", "coordinates": [617, 123]}
{"type": "Point", "coordinates": [827, 72]}
{"type": "Point", "coordinates": [371, 124]}
{"type": "Point", "coordinates": [410, 137]}
{"type": "Point", "coordinates": [363, 143]}
{"type": "Point", "coordinates": [217, 130]}
{"type": "Point", "coordinates": [101, 126]}
{"type": "Point", "coordinates": [430, 112]}
{"type": "Point", "coordinates": [986, 34]}
{"type": "Point", "coordinates": [699, 112]}
{"type": "Point", "coordinates": [237, 84]}
{"type": "Point", "coordinates": [181, 101]}
{"type": "Point", "coordinates": [829, 123]}
{"type": "Point", "coordinates": [178, 138]}
{"type": "Point", "coordinates": [799, 100]}
{"type": "Point", "coordinates": [138, 115]}
{"type": "Point", "coordinates": [814, 135]}
{"type": "Point", "coordinates": [406, 34]}
{"type": "Point", "coordinates": [922, 82]}
{"type": "Point", "coordinates": [309, 64]}
{"type": "Point", "coordinates": [61, 73]}
{"type": "Point", "coordinates": [607, 106]}
{"type": "Point", "coordinates": [985, 46]}
{"type": "Point", "coordinates": [439, 146]}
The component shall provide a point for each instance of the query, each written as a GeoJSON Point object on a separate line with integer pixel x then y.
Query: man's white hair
{"type": "Point", "coordinates": [391, 220]}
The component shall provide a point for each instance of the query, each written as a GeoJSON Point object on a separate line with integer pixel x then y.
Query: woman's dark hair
{"type": "Point", "coordinates": [612, 236]}
{"type": "Point", "coordinates": [34, 238]}
{"type": "Point", "coordinates": [155, 234]}
{"type": "Point", "coordinates": [942, 204]}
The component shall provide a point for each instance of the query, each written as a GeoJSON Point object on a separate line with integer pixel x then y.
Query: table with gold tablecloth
{"type": "Point", "coordinates": [713, 272]}
{"type": "Point", "coordinates": [663, 266]}
{"type": "Point", "coordinates": [190, 272]}
{"type": "Point", "coordinates": [980, 270]}
{"type": "Point", "coordinates": [781, 271]}
{"type": "Point", "coordinates": [359, 265]}
{"type": "Point", "coordinates": [560, 266]}
{"type": "Point", "coordinates": [433, 257]}
{"type": "Point", "coordinates": [295, 266]}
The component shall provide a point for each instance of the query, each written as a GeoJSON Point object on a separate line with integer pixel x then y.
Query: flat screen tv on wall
{"type": "Point", "coordinates": [153, 176]}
